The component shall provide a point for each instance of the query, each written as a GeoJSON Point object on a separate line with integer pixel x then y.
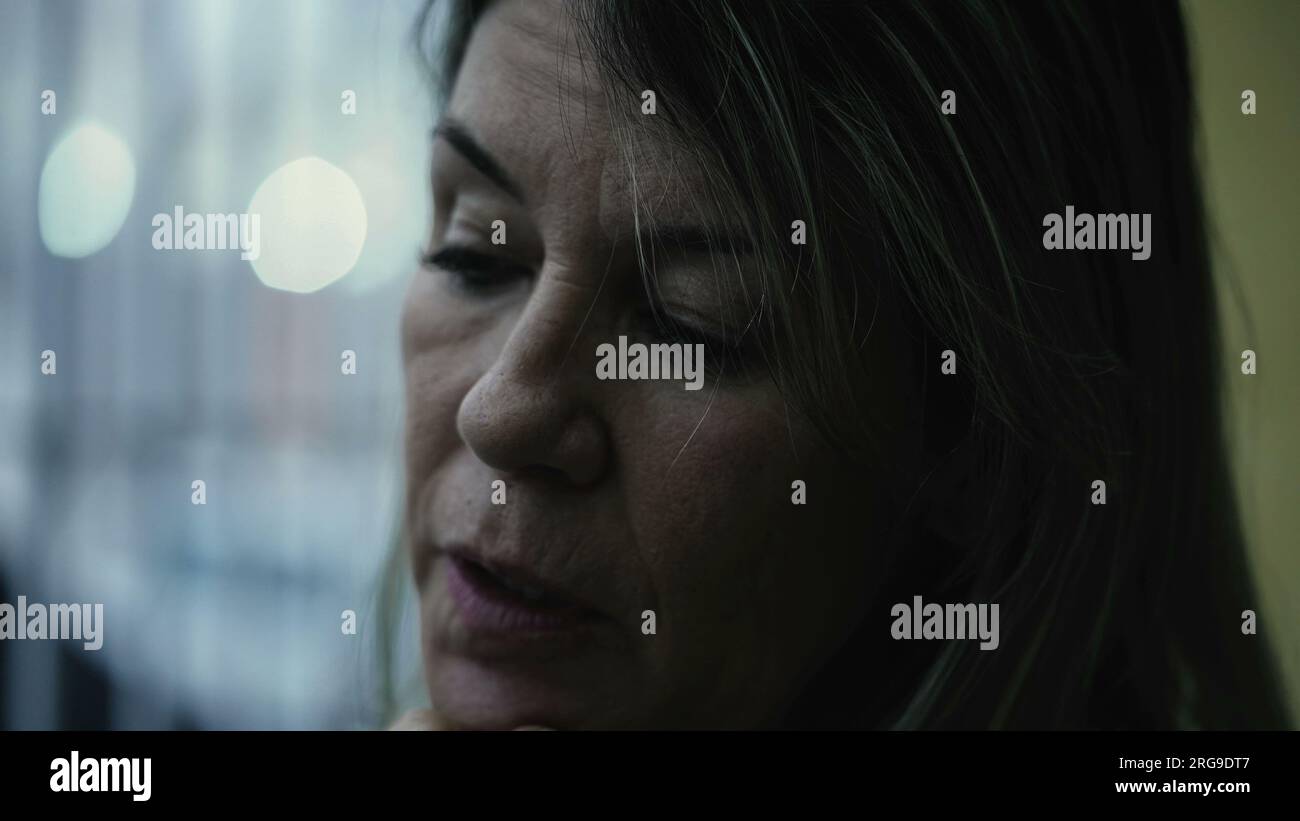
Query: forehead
{"type": "Point", "coordinates": [533, 94]}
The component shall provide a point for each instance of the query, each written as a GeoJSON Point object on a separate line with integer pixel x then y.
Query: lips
{"type": "Point", "coordinates": [492, 598]}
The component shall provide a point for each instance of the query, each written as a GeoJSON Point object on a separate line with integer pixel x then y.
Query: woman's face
{"type": "Point", "coordinates": [619, 496]}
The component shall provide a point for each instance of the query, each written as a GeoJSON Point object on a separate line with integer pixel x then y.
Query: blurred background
{"type": "Point", "coordinates": [180, 366]}
{"type": "Point", "coordinates": [175, 366]}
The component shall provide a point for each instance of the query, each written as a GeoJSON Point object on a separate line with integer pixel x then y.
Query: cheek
{"type": "Point", "coordinates": [438, 370]}
{"type": "Point", "coordinates": [752, 591]}
{"type": "Point", "coordinates": [718, 528]}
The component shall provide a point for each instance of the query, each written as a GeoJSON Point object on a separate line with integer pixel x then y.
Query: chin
{"type": "Point", "coordinates": [471, 694]}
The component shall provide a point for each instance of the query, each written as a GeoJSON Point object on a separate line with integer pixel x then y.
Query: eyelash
{"type": "Point", "coordinates": [731, 357]}
{"type": "Point", "coordinates": [475, 271]}
{"type": "Point", "coordinates": [481, 274]}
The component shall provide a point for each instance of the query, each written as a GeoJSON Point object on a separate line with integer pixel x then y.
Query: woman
{"type": "Point", "coordinates": [907, 392]}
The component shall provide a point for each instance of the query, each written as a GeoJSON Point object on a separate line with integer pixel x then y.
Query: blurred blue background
{"type": "Point", "coordinates": [174, 366]}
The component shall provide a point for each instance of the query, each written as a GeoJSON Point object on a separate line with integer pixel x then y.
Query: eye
{"type": "Point", "coordinates": [725, 355]}
{"type": "Point", "coordinates": [476, 271]}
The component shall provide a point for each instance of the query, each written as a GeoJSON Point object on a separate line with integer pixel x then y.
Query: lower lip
{"type": "Point", "coordinates": [486, 606]}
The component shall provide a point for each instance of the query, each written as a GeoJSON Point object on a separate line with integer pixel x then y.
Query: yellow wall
{"type": "Point", "coordinates": [1252, 188]}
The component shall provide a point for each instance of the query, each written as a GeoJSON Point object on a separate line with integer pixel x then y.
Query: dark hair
{"type": "Point", "coordinates": [1073, 366]}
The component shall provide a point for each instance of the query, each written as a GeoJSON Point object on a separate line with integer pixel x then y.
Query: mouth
{"type": "Point", "coordinates": [497, 600]}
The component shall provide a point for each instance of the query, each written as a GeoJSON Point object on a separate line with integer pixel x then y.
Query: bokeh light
{"type": "Point", "coordinates": [313, 225]}
{"type": "Point", "coordinates": [85, 192]}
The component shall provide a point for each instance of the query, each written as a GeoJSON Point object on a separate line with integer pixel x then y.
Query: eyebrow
{"type": "Point", "coordinates": [458, 135]}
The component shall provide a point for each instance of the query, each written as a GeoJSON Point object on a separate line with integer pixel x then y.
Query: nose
{"type": "Point", "coordinates": [532, 412]}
